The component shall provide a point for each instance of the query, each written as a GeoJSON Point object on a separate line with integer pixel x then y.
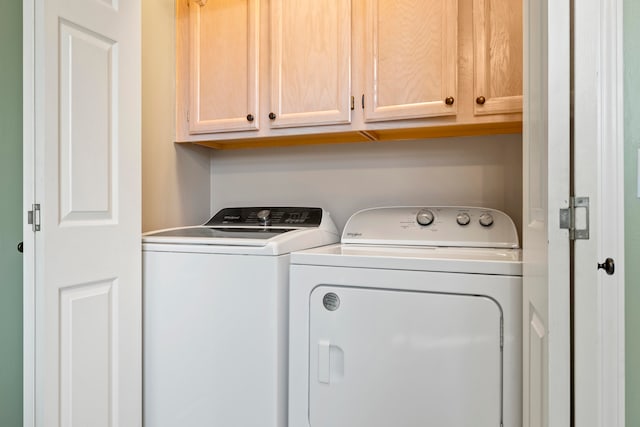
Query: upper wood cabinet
{"type": "Point", "coordinates": [223, 66]}
{"type": "Point", "coordinates": [310, 49]}
{"type": "Point", "coordinates": [497, 32]}
{"type": "Point", "coordinates": [297, 72]}
{"type": "Point", "coordinates": [411, 57]}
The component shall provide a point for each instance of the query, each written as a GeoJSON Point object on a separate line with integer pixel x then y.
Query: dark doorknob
{"type": "Point", "coordinates": [20, 247]}
{"type": "Point", "coordinates": [608, 265]}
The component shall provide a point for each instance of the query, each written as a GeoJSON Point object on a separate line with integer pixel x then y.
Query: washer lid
{"type": "Point", "coordinates": [222, 233]}
{"type": "Point", "coordinates": [246, 226]}
{"type": "Point", "coordinates": [251, 230]}
{"type": "Point", "coordinates": [458, 226]}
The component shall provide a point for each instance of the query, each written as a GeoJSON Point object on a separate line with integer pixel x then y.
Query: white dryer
{"type": "Point", "coordinates": [413, 320]}
{"type": "Point", "coordinates": [215, 323]}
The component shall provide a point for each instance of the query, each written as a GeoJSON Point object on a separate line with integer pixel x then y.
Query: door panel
{"type": "Point", "coordinates": [497, 44]}
{"type": "Point", "coordinates": [411, 49]}
{"type": "Point", "coordinates": [310, 63]}
{"type": "Point", "coordinates": [224, 60]}
{"type": "Point", "coordinates": [88, 86]}
{"type": "Point", "coordinates": [85, 271]}
{"type": "Point", "coordinates": [536, 369]}
{"type": "Point", "coordinates": [88, 314]}
{"type": "Point", "coordinates": [382, 358]}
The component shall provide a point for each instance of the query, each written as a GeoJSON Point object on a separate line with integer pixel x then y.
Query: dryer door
{"type": "Point", "coordinates": [381, 358]}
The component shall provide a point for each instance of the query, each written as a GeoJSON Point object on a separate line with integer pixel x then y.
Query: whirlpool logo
{"type": "Point", "coordinates": [354, 234]}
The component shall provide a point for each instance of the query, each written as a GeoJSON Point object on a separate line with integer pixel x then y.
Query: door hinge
{"type": "Point", "coordinates": [363, 101]}
{"type": "Point", "coordinates": [575, 218]}
{"type": "Point", "coordinates": [188, 117]}
{"type": "Point", "coordinates": [33, 217]}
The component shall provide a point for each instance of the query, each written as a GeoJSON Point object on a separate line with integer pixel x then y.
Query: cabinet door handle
{"type": "Point", "coordinates": [201, 2]}
{"type": "Point", "coordinates": [20, 247]}
{"type": "Point", "coordinates": [250, 117]}
{"type": "Point", "coordinates": [272, 116]}
{"type": "Point", "coordinates": [449, 100]}
{"type": "Point", "coordinates": [480, 100]}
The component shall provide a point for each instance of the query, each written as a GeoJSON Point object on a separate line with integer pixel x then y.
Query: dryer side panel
{"type": "Point", "coordinates": [384, 357]}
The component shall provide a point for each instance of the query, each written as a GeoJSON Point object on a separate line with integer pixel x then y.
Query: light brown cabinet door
{"type": "Point", "coordinates": [497, 31]}
{"type": "Point", "coordinates": [410, 66]}
{"type": "Point", "coordinates": [310, 63]}
{"type": "Point", "coordinates": [223, 71]}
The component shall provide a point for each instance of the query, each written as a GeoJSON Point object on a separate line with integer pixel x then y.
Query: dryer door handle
{"type": "Point", "coordinates": [324, 361]}
{"type": "Point", "coordinates": [330, 362]}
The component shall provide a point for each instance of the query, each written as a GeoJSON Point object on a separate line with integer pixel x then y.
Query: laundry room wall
{"type": "Point", "coordinates": [632, 208]}
{"type": "Point", "coordinates": [175, 178]}
{"type": "Point", "coordinates": [10, 214]}
{"type": "Point", "coordinates": [477, 171]}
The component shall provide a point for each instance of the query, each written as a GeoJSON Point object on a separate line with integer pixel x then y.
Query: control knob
{"type": "Point", "coordinates": [424, 217]}
{"type": "Point", "coordinates": [264, 216]}
{"type": "Point", "coordinates": [486, 220]}
{"type": "Point", "coordinates": [463, 218]}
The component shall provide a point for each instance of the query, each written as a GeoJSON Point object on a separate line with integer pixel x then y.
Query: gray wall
{"type": "Point", "coordinates": [175, 178]}
{"type": "Point", "coordinates": [10, 213]}
{"type": "Point", "coordinates": [481, 171]}
{"type": "Point", "coordinates": [632, 208]}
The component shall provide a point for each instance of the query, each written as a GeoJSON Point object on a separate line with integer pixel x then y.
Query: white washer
{"type": "Point", "coordinates": [414, 320]}
{"type": "Point", "coordinates": [215, 316]}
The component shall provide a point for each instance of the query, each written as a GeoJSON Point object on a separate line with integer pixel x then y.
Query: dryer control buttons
{"type": "Point", "coordinates": [331, 301]}
{"type": "Point", "coordinates": [463, 218]}
{"type": "Point", "coordinates": [424, 217]}
{"type": "Point", "coordinates": [486, 220]}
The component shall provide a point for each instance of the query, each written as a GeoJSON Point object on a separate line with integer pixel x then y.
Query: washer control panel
{"type": "Point", "coordinates": [267, 216]}
{"type": "Point", "coordinates": [458, 226]}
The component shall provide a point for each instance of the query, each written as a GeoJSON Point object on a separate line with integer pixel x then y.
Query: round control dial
{"type": "Point", "coordinates": [424, 217]}
{"type": "Point", "coordinates": [264, 215]}
{"type": "Point", "coordinates": [486, 220]}
{"type": "Point", "coordinates": [463, 218]}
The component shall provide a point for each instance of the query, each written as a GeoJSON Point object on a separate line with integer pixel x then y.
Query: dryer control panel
{"type": "Point", "coordinates": [457, 226]}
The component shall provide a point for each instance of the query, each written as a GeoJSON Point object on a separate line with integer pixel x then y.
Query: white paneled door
{"type": "Point", "coordinates": [593, 163]}
{"type": "Point", "coordinates": [546, 292]}
{"type": "Point", "coordinates": [82, 166]}
{"type": "Point", "coordinates": [599, 390]}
